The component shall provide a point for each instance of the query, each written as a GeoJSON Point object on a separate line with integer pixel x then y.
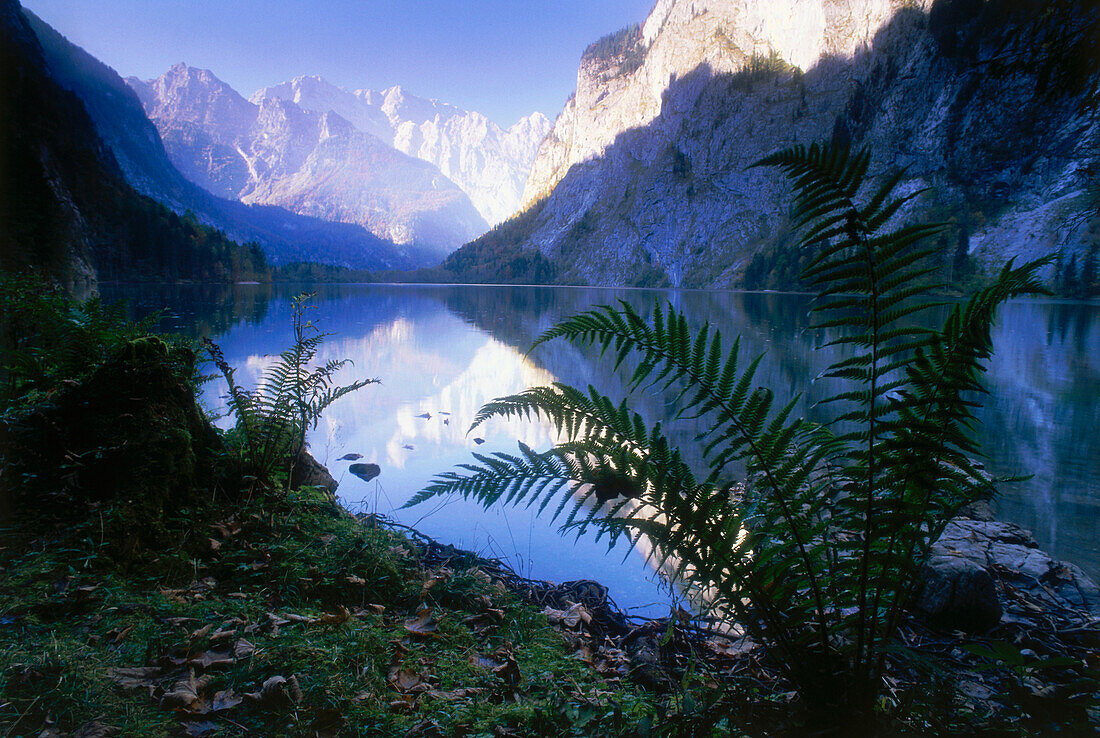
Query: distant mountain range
{"type": "Point", "coordinates": [293, 174]}
{"type": "Point", "coordinates": [489, 163]}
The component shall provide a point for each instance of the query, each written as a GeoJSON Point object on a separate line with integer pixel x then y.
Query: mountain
{"type": "Point", "coordinates": [120, 121]}
{"type": "Point", "coordinates": [66, 210]}
{"type": "Point", "coordinates": [489, 163]}
{"type": "Point", "coordinates": [272, 151]}
{"type": "Point", "coordinates": [989, 107]}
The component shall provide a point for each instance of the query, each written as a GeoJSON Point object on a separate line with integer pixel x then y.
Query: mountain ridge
{"type": "Point", "coordinates": [644, 179]}
{"type": "Point", "coordinates": [120, 120]}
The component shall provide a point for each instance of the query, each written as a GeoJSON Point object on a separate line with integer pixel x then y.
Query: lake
{"type": "Point", "coordinates": [443, 351]}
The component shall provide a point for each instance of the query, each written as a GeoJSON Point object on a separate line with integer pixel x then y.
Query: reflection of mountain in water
{"type": "Point", "coordinates": [1040, 416]}
{"type": "Point", "coordinates": [449, 349]}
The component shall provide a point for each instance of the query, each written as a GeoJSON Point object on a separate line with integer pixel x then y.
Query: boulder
{"type": "Point", "coordinates": [312, 473]}
{"type": "Point", "coordinates": [958, 594]}
{"type": "Point", "coordinates": [965, 565]}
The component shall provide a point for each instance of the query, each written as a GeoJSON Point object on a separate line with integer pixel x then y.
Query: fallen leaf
{"type": "Point", "coordinates": [199, 728]}
{"type": "Point", "coordinates": [455, 694]}
{"type": "Point", "coordinates": [294, 690]}
{"type": "Point", "coordinates": [571, 618]}
{"type": "Point", "coordinates": [273, 693]}
{"type": "Point", "coordinates": [328, 538]}
{"type": "Point", "coordinates": [185, 694]}
{"type": "Point", "coordinates": [243, 649]}
{"type": "Point", "coordinates": [407, 680]}
{"type": "Point", "coordinates": [403, 703]}
{"type": "Point", "coordinates": [440, 577]}
{"type": "Point", "coordinates": [226, 699]}
{"type": "Point", "coordinates": [138, 677]}
{"type": "Point", "coordinates": [423, 625]}
{"type": "Point", "coordinates": [355, 581]}
{"type": "Point", "coordinates": [95, 729]}
{"type": "Point", "coordinates": [201, 632]}
{"type": "Point", "coordinates": [210, 659]}
{"type": "Point", "coordinates": [336, 618]}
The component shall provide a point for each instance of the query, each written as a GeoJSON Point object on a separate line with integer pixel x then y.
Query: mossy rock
{"type": "Point", "coordinates": [130, 436]}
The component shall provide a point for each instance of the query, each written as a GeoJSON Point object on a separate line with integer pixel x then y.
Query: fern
{"type": "Point", "coordinates": [817, 548]}
{"type": "Point", "coordinates": [273, 419]}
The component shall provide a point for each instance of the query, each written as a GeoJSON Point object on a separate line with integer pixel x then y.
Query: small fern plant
{"type": "Point", "coordinates": [272, 420]}
{"type": "Point", "coordinates": [808, 536]}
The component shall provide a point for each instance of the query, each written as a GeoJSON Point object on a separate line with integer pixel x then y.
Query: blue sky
{"type": "Point", "coordinates": [504, 58]}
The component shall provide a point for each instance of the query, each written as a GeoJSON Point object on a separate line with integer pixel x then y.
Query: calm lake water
{"type": "Point", "coordinates": [446, 350]}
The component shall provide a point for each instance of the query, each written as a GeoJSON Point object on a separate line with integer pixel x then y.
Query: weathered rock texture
{"type": "Point", "coordinates": [975, 564]}
{"type": "Point", "coordinates": [274, 152]}
{"type": "Point", "coordinates": [645, 173]}
{"type": "Point", "coordinates": [489, 163]}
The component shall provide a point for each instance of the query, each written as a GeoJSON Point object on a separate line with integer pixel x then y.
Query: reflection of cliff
{"type": "Point", "coordinates": [770, 324]}
{"type": "Point", "coordinates": [1040, 416]}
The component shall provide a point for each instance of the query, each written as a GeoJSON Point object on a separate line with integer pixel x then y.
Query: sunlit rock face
{"type": "Point", "coordinates": [647, 169]}
{"type": "Point", "coordinates": [489, 163]}
{"type": "Point", "coordinates": [271, 151]}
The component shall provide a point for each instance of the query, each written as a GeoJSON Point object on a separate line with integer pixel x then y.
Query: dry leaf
{"type": "Point", "coordinates": [243, 649]}
{"type": "Point", "coordinates": [202, 632]}
{"type": "Point", "coordinates": [337, 618]}
{"type": "Point", "coordinates": [95, 729]}
{"type": "Point", "coordinates": [273, 693]}
{"type": "Point", "coordinates": [226, 699]}
{"type": "Point", "coordinates": [294, 689]}
{"type": "Point", "coordinates": [570, 618]}
{"type": "Point", "coordinates": [423, 625]}
{"type": "Point", "coordinates": [210, 659]}
{"type": "Point", "coordinates": [185, 694]}
{"type": "Point", "coordinates": [356, 581]}
{"type": "Point", "coordinates": [455, 694]}
{"type": "Point", "coordinates": [199, 728]}
{"type": "Point", "coordinates": [407, 680]}
{"type": "Point", "coordinates": [403, 703]}
{"type": "Point", "coordinates": [139, 677]}
{"type": "Point", "coordinates": [440, 577]}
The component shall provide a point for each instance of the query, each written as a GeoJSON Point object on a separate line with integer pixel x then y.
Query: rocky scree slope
{"type": "Point", "coordinates": [644, 178]}
{"type": "Point", "coordinates": [489, 163]}
{"type": "Point", "coordinates": [274, 152]}
{"type": "Point", "coordinates": [136, 145]}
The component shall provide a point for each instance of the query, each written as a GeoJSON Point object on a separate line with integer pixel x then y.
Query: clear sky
{"type": "Point", "coordinates": [504, 58]}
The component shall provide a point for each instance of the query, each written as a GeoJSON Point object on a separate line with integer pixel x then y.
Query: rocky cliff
{"type": "Point", "coordinates": [644, 178]}
{"type": "Point", "coordinates": [272, 151]}
{"type": "Point", "coordinates": [489, 163]}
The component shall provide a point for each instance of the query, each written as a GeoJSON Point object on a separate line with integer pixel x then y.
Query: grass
{"type": "Point", "coordinates": [288, 587]}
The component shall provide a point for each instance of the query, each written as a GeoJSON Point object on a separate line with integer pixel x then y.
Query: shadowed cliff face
{"type": "Point", "coordinates": [647, 169]}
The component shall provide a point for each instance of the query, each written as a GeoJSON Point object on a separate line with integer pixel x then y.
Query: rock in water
{"type": "Point", "coordinates": [350, 457]}
{"type": "Point", "coordinates": [366, 472]}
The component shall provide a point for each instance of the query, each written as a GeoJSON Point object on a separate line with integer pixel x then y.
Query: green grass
{"type": "Point", "coordinates": [69, 615]}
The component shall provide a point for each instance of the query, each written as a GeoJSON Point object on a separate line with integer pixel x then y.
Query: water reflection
{"type": "Point", "coordinates": [442, 351]}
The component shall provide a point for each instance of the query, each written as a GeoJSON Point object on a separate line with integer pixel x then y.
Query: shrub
{"type": "Point", "coordinates": [818, 547]}
{"type": "Point", "coordinates": [272, 420]}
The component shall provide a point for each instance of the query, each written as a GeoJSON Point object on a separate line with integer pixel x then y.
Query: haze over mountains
{"type": "Point", "coordinates": [404, 167]}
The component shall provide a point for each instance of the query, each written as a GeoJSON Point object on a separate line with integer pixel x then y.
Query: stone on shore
{"type": "Point", "coordinates": [976, 562]}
